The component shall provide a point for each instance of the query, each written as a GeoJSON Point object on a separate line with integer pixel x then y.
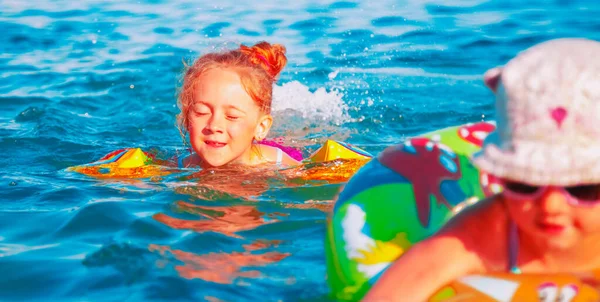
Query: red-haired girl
{"type": "Point", "coordinates": [225, 104]}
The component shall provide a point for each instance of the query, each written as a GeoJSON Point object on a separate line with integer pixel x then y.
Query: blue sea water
{"type": "Point", "coordinates": [81, 79]}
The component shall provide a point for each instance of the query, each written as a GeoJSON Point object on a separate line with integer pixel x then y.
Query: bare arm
{"type": "Point", "coordinates": [427, 266]}
{"type": "Point", "coordinates": [423, 269]}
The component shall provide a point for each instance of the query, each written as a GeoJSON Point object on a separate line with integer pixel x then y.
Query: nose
{"type": "Point", "coordinates": [553, 201]}
{"type": "Point", "coordinates": [215, 124]}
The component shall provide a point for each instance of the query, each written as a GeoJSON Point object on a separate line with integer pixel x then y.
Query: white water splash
{"type": "Point", "coordinates": [316, 107]}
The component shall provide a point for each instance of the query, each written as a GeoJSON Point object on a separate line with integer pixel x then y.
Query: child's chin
{"type": "Point", "coordinates": [214, 162]}
{"type": "Point", "coordinates": [561, 243]}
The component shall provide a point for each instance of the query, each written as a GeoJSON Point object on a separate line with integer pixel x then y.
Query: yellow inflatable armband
{"type": "Point", "coordinates": [135, 163]}
{"type": "Point", "coordinates": [332, 150]}
{"type": "Point", "coordinates": [127, 163]}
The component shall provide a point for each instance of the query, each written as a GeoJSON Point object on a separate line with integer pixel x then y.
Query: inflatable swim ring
{"type": "Point", "coordinates": [405, 195]}
{"type": "Point", "coordinates": [333, 161]}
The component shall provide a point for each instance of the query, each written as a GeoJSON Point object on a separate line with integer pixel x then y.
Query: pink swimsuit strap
{"type": "Point", "coordinates": [292, 152]}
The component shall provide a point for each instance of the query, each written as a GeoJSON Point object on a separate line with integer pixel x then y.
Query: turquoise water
{"type": "Point", "coordinates": [82, 79]}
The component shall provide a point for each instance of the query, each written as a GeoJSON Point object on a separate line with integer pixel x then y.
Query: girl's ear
{"type": "Point", "coordinates": [263, 127]}
{"type": "Point", "coordinates": [492, 78]}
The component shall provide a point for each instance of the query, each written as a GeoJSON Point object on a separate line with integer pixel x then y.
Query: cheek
{"type": "Point", "coordinates": [522, 212]}
{"type": "Point", "coordinates": [241, 129]}
{"type": "Point", "coordinates": [587, 219]}
{"type": "Point", "coordinates": [194, 124]}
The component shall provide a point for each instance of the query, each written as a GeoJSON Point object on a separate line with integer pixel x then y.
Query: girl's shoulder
{"type": "Point", "coordinates": [276, 155]}
{"type": "Point", "coordinates": [483, 229]}
{"type": "Point", "coordinates": [489, 212]}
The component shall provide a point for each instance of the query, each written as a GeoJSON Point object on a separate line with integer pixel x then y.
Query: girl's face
{"type": "Point", "coordinates": [224, 119]}
{"type": "Point", "coordinates": [552, 220]}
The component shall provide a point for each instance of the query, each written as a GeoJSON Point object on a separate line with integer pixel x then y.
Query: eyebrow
{"type": "Point", "coordinates": [227, 107]}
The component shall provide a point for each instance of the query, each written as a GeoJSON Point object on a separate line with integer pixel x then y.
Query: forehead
{"type": "Point", "coordinates": [222, 87]}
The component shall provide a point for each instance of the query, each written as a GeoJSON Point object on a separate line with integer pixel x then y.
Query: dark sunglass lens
{"type": "Point", "coordinates": [585, 193]}
{"type": "Point", "coordinates": [520, 188]}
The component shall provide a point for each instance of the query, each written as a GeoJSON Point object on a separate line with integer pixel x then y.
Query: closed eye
{"type": "Point", "coordinates": [232, 117]}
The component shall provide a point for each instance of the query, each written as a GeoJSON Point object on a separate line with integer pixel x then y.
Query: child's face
{"type": "Point", "coordinates": [552, 221]}
{"type": "Point", "coordinates": [224, 119]}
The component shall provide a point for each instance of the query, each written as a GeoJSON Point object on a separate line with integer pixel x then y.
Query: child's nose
{"type": "Point", "coordinates": [553, 201]}
{"type": "Point", "coordinates": [215, 124]}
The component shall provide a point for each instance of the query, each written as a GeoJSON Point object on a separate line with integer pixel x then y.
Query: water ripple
{"type": "Point", "coordinates": [81, 79]}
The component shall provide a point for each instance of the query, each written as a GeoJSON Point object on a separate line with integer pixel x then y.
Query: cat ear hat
{"type": "Point", "coordinates": [547, 116]}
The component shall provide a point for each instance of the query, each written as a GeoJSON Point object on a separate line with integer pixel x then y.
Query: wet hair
{"type": "Point", "coordinates": [257, 66]}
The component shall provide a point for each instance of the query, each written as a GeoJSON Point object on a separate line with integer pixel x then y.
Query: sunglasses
{"type": "Point", "coordinates": [583, 195]}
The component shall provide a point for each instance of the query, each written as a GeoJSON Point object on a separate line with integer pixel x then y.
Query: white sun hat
{"type": "Point", "coordinates": [547, 115]}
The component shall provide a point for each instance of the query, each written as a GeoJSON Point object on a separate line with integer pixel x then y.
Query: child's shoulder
{"type": "Point", "coordinates": [276, 155]}
{"type": "Point", "coordinates": [483, 229]}
{"type": "Point", "coordinates": [489, 212]}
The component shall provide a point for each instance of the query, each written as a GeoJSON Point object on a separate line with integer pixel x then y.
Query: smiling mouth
{"type": "Point", "coordinates": [214, 144]}
{"type": "Point", "coordinates": [551, 228]}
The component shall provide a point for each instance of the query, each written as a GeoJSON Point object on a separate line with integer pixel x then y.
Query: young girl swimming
{"type": "Point", "coordinates": [546, 151]}
{"type": "Point", "coordinates": [225, 104]}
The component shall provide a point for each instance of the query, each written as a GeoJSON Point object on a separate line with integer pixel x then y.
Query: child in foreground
{"type": "Point", "coordinates": [546, 151]}
{"type": "Point", "coordinates": [225, 104]}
